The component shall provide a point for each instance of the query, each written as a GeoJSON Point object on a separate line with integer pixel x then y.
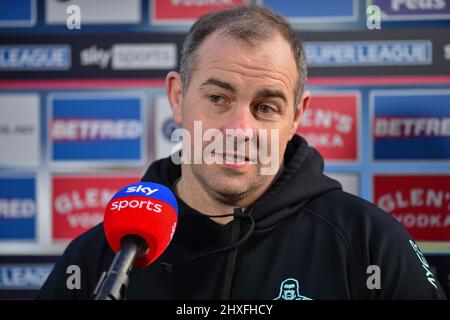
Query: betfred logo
{"type": "Point", "coordinates": [97, 127]}
{"type": "Point", "coordinates": [95, 130]}
{"type": "Point", "coordinates": [420, 202]}
{"type": "Point", "coordinates": [331, 124]}
{"type": "Point", "coordinates": [187, 11]}
{"type": "Point", "coordinates": [410, 124]}
{"type": "Point", "coordinates": [411, 127]}
{"type": "Point", "coordinates": [78, 203]}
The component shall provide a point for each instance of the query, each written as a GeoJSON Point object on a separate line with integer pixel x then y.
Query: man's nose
{"type": "Point", "coordinates": [240, 120]}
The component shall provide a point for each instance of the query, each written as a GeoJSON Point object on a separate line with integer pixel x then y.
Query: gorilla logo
{"type": "Point", "coordinates": [289, 290]}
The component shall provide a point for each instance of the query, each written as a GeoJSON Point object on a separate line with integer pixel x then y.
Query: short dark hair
{"type": "Point", "coordinates": [251, 24]}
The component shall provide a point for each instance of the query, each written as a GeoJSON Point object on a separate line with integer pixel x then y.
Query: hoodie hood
{"type": "Point", "coordinates": [301, 180]}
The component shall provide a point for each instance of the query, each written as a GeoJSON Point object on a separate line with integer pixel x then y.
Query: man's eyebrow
{"type": "Point", "coordinates": [270, 93]}
{"type": "Point", "coordinates": [221, 84]}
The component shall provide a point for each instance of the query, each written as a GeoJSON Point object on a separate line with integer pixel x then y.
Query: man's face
{"type": "Point", "coordinates": [238, 86]}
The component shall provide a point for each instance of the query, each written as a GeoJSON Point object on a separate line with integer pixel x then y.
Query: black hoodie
{"type": "Point", "coordinates": [304, 238]}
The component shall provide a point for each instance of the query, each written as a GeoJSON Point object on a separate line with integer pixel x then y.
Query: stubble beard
{"type": "Point", "coordinates": [225, 194]}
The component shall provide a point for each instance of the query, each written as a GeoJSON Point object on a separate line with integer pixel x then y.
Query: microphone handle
{"type": "Point", "coordinates": [113, 284]}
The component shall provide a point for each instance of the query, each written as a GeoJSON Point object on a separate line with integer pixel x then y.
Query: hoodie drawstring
{"type": "Point", "coordinates": [168, 267]}
{"type": "Point", "coordinates": [231, 259]}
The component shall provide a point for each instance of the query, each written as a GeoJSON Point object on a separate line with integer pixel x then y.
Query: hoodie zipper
{"type": "Point", "coordinates": [230, 265]}
{"type": "Point", "coordinates": [231, 258]}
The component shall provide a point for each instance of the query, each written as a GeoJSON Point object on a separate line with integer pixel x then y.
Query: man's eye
{"type": "Point", "coordinates": [264, 108]}
{"type": "Point", "coordinates": [216, 99]}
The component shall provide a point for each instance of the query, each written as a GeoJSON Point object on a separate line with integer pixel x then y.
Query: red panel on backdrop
{"type": "Point", "coordinates": [79, 202]}
{"type": "Point", "coordinates": [173, 11]}
{"type": "Point", "coordinates": [420, 202]}
{"type": "Point", "coordinates": [331, 125]}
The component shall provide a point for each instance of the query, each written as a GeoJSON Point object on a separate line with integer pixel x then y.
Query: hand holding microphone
{"type": "Point", "coordinates": [139, 224]}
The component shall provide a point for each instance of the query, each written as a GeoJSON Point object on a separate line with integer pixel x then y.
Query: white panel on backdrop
{"type": "Point", "coordinates": [95, 12]}
{"type": "Point", "coordinates": [19, 130]}
{"type": "Point", "coordinates": [349, 181]}
{"type": "Point", "coordinates": [164, 126]}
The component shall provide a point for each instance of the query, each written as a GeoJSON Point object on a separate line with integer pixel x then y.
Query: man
{"type": "Point", "coordinates": [246, 233]}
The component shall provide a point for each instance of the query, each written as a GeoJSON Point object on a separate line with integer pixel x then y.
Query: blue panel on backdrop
{"type": "Point", "coordinates": [411, 125]}
{"type": "Point", "coordinates": [17, 209]}
{"type": "Point", "coordinates": [17, 13]}
{"type": "Point", "coordinates": [317, 11]}
{"type": "Point", "coordinates": [96, 127]}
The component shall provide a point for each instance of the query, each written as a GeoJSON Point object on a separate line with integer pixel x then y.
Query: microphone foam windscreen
{"type": "Point", "coordinates": [144, 209]}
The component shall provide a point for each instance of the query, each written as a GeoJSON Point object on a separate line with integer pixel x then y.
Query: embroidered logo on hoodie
{"type": "Point", "coordinates": [289, 290]}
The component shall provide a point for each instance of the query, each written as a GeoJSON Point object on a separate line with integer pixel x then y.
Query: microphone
{"type": "Point", "coordinates": [139, 223]}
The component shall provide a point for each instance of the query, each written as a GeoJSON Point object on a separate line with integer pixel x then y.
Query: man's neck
{"type": "Point", "coordinates": [192, 193]}
{"type": "Point", "coordinates": [196, 198]}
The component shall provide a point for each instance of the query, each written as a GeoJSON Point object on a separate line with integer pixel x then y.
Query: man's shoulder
{"type": "Point", "coordinates": [352, 215]}
{"type": "Point", "coordinates": [91, 254]}
{"type": "Point", "coordinates": [375, 238]}
{"type": "Point", "coordinates": [92, 240]}
{"type": "Point", "coordinates": [89, 250]}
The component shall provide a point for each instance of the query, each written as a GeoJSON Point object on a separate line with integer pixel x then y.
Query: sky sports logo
{"type": "Point", "coordinates": [141, 204]}
{"type": "Point", "coordinates": [35, 57]}
{"type": "Point", "coordinates": [102, 126]}
{"type": "Point", "coordinates": [369, 53]}
{"type": "Point", "coordinates": [148, 191]}
{"type": "Point", "coordinates": [135, 204]}
{"type": "Point", "coordinates": [410, 124]}
{"type": "Point", "coordinates": [132, 56]}
{"type": "Point", "coordinates": [138, 195]}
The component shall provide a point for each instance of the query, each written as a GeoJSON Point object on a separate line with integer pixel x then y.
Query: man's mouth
{"type": "Point", "coordinates": [234, 158]}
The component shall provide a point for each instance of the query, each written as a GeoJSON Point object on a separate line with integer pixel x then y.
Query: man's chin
{"type": "Point", "coordinates": [236, 171]}
{"type": "Point", "coordinates": [231, 190]}
{"type": "Point", "coordinates": [228, 185]}
{"type": "Point", "coordinates": [229, 193]}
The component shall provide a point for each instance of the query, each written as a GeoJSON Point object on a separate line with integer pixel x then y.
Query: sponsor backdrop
{"type": "Point", "coordinates": [83, 112]}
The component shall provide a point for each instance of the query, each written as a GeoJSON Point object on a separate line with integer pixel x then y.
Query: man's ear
{"type": "Point", "coordinates": [301, 107]}
{"type": "Point", "coordinates": [174, 89]}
